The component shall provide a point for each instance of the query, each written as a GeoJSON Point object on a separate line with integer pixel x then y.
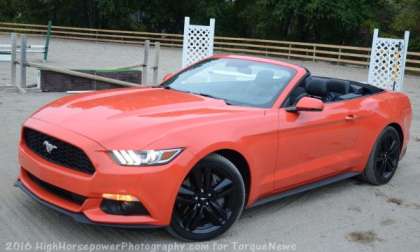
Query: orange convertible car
{"type": "Point", "coordinates": [227, 133]}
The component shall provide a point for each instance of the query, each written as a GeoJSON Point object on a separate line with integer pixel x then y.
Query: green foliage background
{"type": "Point", "coordinates": [348, 22]}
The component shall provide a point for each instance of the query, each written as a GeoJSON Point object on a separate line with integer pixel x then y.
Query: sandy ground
{"type": "Point", "coordinates": [345, 216]}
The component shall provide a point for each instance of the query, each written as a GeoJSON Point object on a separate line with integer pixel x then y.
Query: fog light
{"type": "Point", "coordinates": [117, 207]}
{"type": "Point", "coordinates": [119, 197]}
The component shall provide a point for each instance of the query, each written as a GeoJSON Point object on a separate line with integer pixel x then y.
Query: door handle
{"type": "Point", "coordinates": [351, 117]}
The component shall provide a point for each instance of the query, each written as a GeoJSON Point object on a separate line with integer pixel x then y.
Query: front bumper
{"type": "Point", "coordinates": [79, 217]}
{"type": "Point", "coordinates": [155, 187]}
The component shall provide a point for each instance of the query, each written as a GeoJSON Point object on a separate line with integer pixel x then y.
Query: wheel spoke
{"type": "Point", "coordinates": [196, 220]}
{"type": "Point", "coordinates": [381, 166]}
{"type": "Point", "coordinates": [222, 185]}
{"type": "Point", "coordinates": [189, 217]}
{"type": "Point", "coordinates": [214, 218]}
{"type": "Point", "coordinates": [394, 155]}
{"type": "Point", "coordinates": [184, 199]}
{"type": "Point", "coordinates": [392, 145]}
{"type": "Point", "coordinates": [223, 193]}
{"type": "Point", "coordinates": [185, 190]}
{"type": "Point", "coordinates": [218, 210]}
{"type": "Point", "coordinates": [395, 162]}
{"type": "Point", "coordinates": [380, 159]}
{"type": "Point", "coordinates": [393, 149]}
{"type": "Point", "coordinates": [389, 141]}
{"type": "Point", "coordinates": [389, 165]}
{"type": "Point", "coordinates": [208, 178]}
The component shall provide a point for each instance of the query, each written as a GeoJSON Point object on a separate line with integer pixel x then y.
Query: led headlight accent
{"type": "Point", "coordinates": [145, 158]}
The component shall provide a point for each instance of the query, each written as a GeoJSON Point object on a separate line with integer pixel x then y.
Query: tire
{"type": "Point", "coordinates": [210, 200]}
{"type": "Point", "coordinates": [384, 158]}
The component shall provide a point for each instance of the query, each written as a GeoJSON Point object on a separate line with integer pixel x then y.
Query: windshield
{"type": "Point", "coordinates": [237, 81]}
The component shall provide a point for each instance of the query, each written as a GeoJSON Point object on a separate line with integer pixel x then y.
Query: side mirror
{"type": "Point", "coordinates": [307, 104]}
{"type": "Point", "coordinates": [167, 77]}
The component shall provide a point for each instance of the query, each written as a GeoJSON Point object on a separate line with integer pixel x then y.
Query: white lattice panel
{"type": "Point", "coordinates": [197, 43]}
{"type": "Point", "coordinates": [387, 62]}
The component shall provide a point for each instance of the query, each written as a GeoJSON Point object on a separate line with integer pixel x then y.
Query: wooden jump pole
{"type": "Point", "coordinates": [23, 61]}
{"type": "Point", "coordinates": [80, 74]}
{"type": "Point", "coordinates": [13, 60]}
{"type": "Point", "coordinates": [156, 63]}
{"type": "Point", "coordinates": [24, 64]}
{"type": "Point", "coordinates": [145, 61]}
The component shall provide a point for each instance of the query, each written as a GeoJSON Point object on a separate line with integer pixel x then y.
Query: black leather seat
{"type": "Point", "coordinates": [326, 89]}
{"type": "Point", "coordinates": [337, 88]}
{"type": "Point", "coordinates": [316, 87]}
{"type": "Point", "coordinates": [296, 95]}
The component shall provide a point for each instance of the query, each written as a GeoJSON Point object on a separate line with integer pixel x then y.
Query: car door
{"type": "Point", "coordinates": [316, 144]}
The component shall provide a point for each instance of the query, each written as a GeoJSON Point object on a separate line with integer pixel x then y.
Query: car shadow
{"type": "Point", "coordinates": [56, 226]}
{"type": "Point", "coordinates": [309, 197]}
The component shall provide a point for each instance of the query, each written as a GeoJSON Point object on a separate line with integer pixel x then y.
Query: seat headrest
{"type": "Point", "coordinates": [316, 87]}
{"type": "Point", "coordinates": [338, 86]}
{"type": "Point", "coordinates": [264, 77]}
{"type": "Point", "coordinates": [297, 91]}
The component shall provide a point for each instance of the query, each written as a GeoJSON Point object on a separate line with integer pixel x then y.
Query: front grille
{"type": "Point", "coordinates": [76, 198]}
{"type": "Point", "coordinates": [63, 153]}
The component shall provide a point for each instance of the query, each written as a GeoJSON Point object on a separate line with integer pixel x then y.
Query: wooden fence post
{"type": "Point", "coordinates": [314, 53]}
{"type": "Point", "coordinates": [23, 61]}
{"type": "Point", "coordinates": [145, 61]}
{"type": "Point", "coordinates": [339, 55]}
{"type": "Point", "coordinates": [156, 63]}
{"type": "Point", "coordinates": [13, 60]}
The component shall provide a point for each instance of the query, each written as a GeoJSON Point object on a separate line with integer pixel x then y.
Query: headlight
{"type": "Point", "coordinates": [146, 157]}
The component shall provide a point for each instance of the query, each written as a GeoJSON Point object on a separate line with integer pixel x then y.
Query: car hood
{"type": "Point", "coordinates": [114, 117]}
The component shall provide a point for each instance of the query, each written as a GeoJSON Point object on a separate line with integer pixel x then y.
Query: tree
{"type": "Point", "coordinates": [408, 18]}
{"type": "Point", "coordinates": [325, 21]}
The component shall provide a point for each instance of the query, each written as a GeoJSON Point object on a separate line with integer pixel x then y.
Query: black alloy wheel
{"type": "Point", "coordinates": [210, 200]}
{"type": "Point", "coordinates": [384, 158]}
